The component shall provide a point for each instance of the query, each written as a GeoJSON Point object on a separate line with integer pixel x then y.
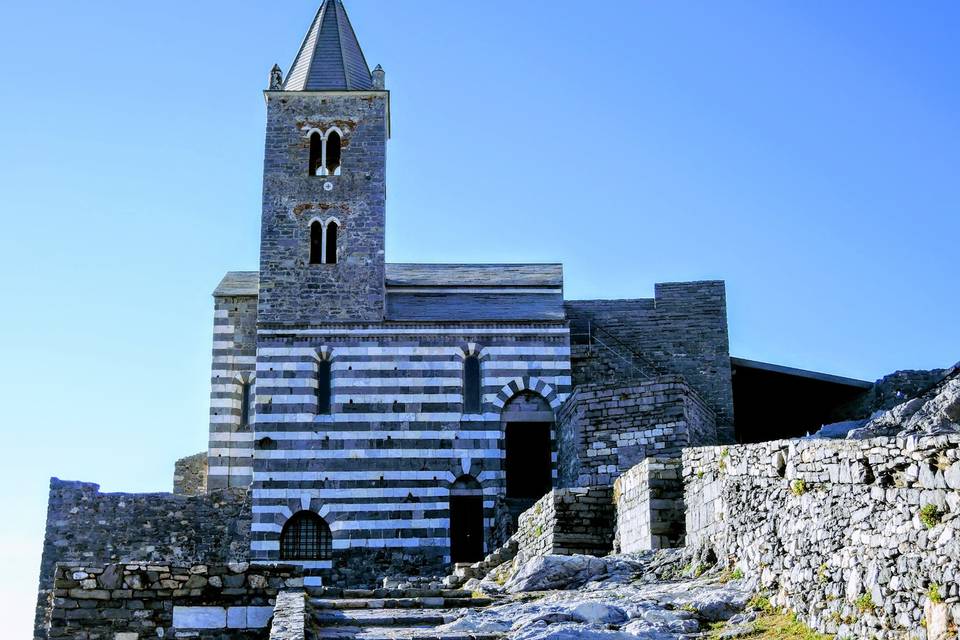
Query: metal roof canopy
{"type": "Point", "coordinates": [800, 373]}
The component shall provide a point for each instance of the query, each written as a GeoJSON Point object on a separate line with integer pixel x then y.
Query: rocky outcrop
{"type": "Point", "coordinates": [632, 597]}
{"type": "Point", "coordinates": [934, 413]}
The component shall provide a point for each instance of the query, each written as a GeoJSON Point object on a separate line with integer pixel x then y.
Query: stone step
{"type": "Point", "coordinates": [392, 594]}
{"type": "Point", "coordinates": [399, 603]}
{"type": "Point", "coordinates": [399, 633]}
{"type": "Point", "coordinates": [368, 618]}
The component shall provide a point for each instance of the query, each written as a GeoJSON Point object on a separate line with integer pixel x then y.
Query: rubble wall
{"type": "Point", "coordinates": [85, 526]}
{"type": "Point", "coordinates": [142, 600]}
{"type": "Point", "coordinates": [649, 503]}
{"type": "Point", "coordinates": [567, 522]}
{"type": "Point", "coordinates": [859, 538]}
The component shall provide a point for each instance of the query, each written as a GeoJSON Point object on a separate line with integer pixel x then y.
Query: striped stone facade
{"type": "Point", "coordinates": [380, 466]}
{"type": "Point", "coordinates": [230, 452]}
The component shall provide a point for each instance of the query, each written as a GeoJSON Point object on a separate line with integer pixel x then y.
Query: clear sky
{"type": "Point", "coordinates": [805, 152]}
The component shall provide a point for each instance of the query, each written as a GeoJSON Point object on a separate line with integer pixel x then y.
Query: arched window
{"type": "Point", "coordinates": [333, 153]}
{"type": "Point", "coordinates": [246, 397]}
{"type": "Point", "coordinates": [471, 385]}
{"type": "Point", "coordinates": [332, 232]}
{"type": "Point", "coordinates": [316, 243]}
{"type": "Point", "coordinates": [306, 536]}
{"type": "Point", "coordinates": [323, 387]}
{"type": "Point", "coordinates": [316, 154]}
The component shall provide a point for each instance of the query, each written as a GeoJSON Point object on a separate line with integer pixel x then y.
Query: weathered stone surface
{"type": "Point", "coordinates": [849, 534]}
{"type": "Point", "coordinates": [555, 572]}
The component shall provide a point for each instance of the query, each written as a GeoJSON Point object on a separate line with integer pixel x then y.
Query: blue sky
{"type": "Point", "coordinates": [806, 153]}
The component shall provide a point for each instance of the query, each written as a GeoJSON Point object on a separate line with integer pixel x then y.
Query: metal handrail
{"type": "Point", "coordinates": [632, 361]}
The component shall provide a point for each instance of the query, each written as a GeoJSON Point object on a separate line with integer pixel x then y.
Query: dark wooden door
{"type": "Point", "coordinates": [466, 528]}
{"type": "Point", "coordinates": [528, 465]}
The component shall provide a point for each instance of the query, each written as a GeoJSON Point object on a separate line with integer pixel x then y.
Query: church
{"type": "Point", "coordinates": [370, 419]}
{"type": "Point", "coordinates": [394, 417]}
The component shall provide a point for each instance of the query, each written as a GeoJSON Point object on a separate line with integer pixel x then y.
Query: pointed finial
{"type": "Point", "coordinates": [379, 78]}
{"type": "Point", "coordinates": [276, 78]}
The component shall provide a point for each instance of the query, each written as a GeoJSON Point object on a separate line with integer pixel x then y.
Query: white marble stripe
{"type": "Point", "coordinates": [420, 331]}
{"type": "Point", "coordinates": [366, 525]}
{"type": "Point", "coordinates": [380, 543]}
{"type": "Point", "coordinates": [354, 476]}
{"type": "Point", "coordinates": [364, 454]}
{"type": "Point", "coordinates": [219, 314]}
{"type": "Point", "coordinates": [368, 398]}
{"type": "Point", "coordinates": [230, 471]}
{"type": "Point", "coordinates": [360, 507]}
{"type": "Point", "coordinates": [456, 351]}
{"type": "Point", "coordinates": [266, 383]}
{"type": "Point", "coordinates": [261, 495]}
{"type": "Point", "coordinates": [243, 360]}
{"type": "Point", "coordinates": [286, 418]}
{"type": "Point", "coordinates": [439, 434]}
{"type": "Point", "coordinates": [232, 436]}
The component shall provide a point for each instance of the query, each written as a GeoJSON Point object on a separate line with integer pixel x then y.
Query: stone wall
{"type": "Point", "coordinates": [603, 431]}
{"type": "Point", "coordinates": [190, 475]}
{"type": "Point", "coordinates": [142, 600]}
{"type": "Point", "coordinates": [683, 329]}
{"type": "Point", "coordinates": [650, 511]}
{"type": "Point", "coordinates": [859, 538]}
{"type": "Point", "coordinates": [89, 527]}
{"type": "Point", "coordinates": [568, 521]}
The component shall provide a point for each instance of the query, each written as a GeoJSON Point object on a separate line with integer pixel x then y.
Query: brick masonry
{"type": "Point", "coordinates": [89, 527]}
{"type": "Point", "coordinates": [143, 600]}
{"type": "Point", "coordinates": [650, 509]}
{"type": "Point", "coordinates": [604, 430]}
{"type": "Point", "coordinates": [683, 329]}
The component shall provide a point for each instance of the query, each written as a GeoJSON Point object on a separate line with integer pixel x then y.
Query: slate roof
{"type": "Point", "coordinates": [247, 283]}
{"type": "Point", "coordinates": [330, 58]}
{"type": "Point", "coordinates": [239, 283]}
{"type": "Point", "coordinates": [474, 275]}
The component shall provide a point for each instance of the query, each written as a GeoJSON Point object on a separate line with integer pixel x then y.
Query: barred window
{"type": "Point", "coordinates": [471, 385]}
{"type": "Point", "coordinates": [306, 536]}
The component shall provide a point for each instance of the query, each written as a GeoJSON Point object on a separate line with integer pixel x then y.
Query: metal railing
{"type": "Point", "coordinates": [598, 337]}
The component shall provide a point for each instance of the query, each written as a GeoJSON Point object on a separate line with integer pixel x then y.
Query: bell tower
{"type": "Point", "coordinates": [324, 182]}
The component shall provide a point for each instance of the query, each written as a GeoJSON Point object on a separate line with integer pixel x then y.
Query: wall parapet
{"type": "Point", "coordinates": [211, 602]}
{"type": "Point", "coordinates": [649, 503]}
{"type": "Point", "coordinates": [567, 522]}
{"type": "Point", "coordinates": [90, 527]}
{"type": "Point", "coordinates": [859, 538]}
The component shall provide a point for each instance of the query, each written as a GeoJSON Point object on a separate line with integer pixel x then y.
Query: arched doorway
{"type": "Point", "coordinates": [528, 462]}
{"type": "Point", "coordinates": [466, 520]}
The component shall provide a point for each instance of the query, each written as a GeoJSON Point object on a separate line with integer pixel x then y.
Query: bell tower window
{"type": "Point", "coordinates": [334, 146]}
{"type": "Point", "coordinates": [332, 231]}
{"type": "Point", "coordinates": [316, 154]}
{"type": "Point", "coordinates": [316, 243]}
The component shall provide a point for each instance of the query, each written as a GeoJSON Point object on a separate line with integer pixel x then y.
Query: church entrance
{"type": "Point", "coordinates": [528, 464]}
{"type": "Point", "coordinates": [466, 520]}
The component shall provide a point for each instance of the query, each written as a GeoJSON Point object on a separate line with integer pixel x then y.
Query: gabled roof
{"type": "Point", "coordinates": [330, 58]}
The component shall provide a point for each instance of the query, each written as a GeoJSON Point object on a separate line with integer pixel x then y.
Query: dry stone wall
{"type": "Point", "coordinates": [860, 538]}
{"type": "Point", "coordinates": [142, 600]}
{"type": "Point", "coordinates": [89, 527]}
{"type": "Point", "coordinates": [650, 510]}
{"type": "Point", "coordinates": [568, 521]}
{"type": "Point", "coordinates": [604, 430]}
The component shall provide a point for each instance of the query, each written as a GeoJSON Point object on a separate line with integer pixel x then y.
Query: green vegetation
{"type": "Point", "coordinates": [864, 603]}
{"type": "Point", "coordinates": [760, 602]}
{"type": "Point", "coordinates": [822, 574]}
{"type": "Point", "coordinates": [930, 515]}
{"type": "Point", "coordinates": [798, 487]}
{"type": "Point", "coordinates": [538, 531]}
{"type": "Point", "coordinates": [934, 593]}
{"type": "Point", "coordinates": [772, 625]}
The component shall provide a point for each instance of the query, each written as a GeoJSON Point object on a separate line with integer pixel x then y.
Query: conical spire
{"type": "Point", "coordinates": [330, 58]}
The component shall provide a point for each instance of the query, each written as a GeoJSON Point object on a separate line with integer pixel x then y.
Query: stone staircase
{"type": "Point", "coordinates": [389, 614]}
{"type": "Point", "coordinates": [465, 571]}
